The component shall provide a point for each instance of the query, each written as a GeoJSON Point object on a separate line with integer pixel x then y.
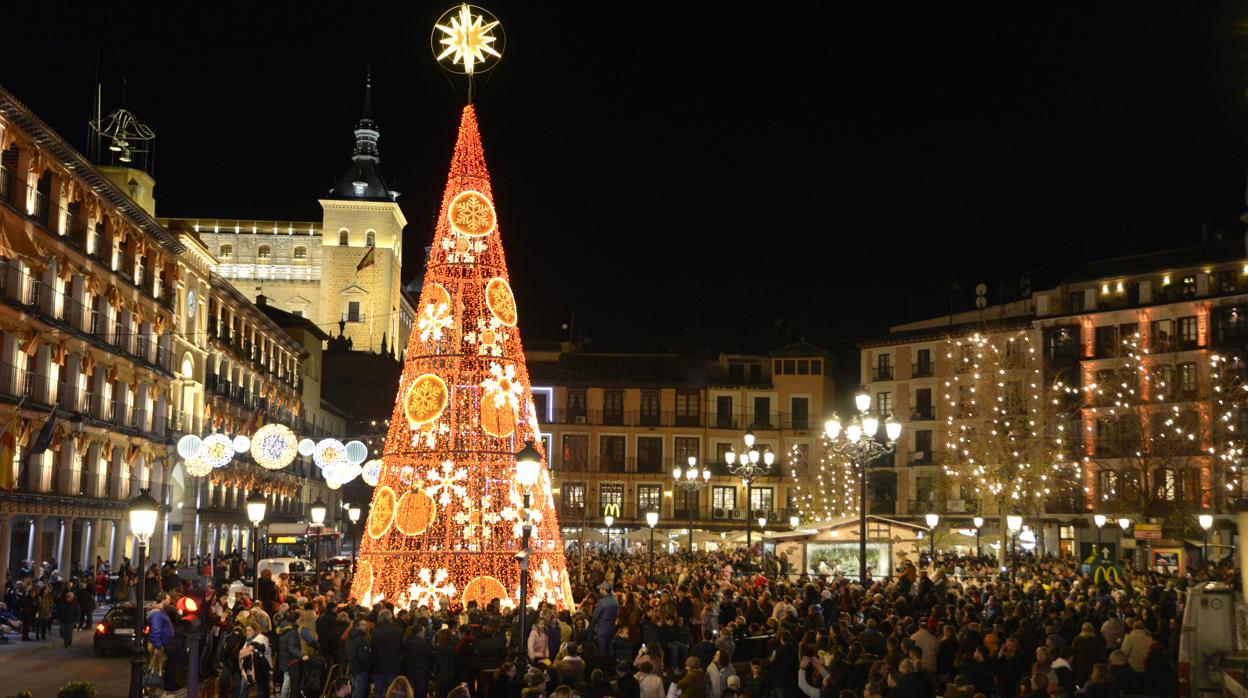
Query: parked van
{"type": "Point", "coordinates": [294, 567]}
{"type": "Point", "coordinates": [1211, 643]}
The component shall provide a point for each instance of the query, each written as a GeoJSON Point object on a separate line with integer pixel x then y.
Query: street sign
{"type": "Point", "coordinates": [1147, 531]}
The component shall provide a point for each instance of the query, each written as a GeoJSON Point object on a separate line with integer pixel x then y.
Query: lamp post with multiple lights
{"type": "Point", "coordinates": [257, 505]}
{"type": "Point", "coordinates": [317, 512]}
{"type": "Point", "coordinates": [143, 511]}
{"type": "Point", "coordinates": [691, 484]}
{"type": "Point", "coordinates": [857, 442]}
{"type": "Point", "coordinates": [528, 469]}
{"type": "Point", "coordinates": [749, 466]}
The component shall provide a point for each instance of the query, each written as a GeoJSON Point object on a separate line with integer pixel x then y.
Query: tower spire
{"type": "Point", "coordinates": [363, 180]}
{"type": "Point", "coordinates": [367, 112]}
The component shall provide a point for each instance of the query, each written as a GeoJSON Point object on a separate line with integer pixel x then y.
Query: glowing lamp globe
{"type": "Point", "coordinates": [241, 444]}
{"type": "Point", "coordinates": [357, 452]}
{"type": "Point", "coordinates": [762, 522]}
{"type": "Point", "coordinates": [1099, 520]}
{"type": "Point", "coordinates": [892, 428]}
{"type": "Point", "coordinates": [256, 506]}
{"type": "Point", "coordinates": [528, 466]}
{"type": "Point", "coordinates": [189, 446]}
{"type": "Point", "coordinates": [609, 520]}
{"type": "Point", "coordinates": [143, 511]}
{"type": "Point", "coordinates": [870, 425]}
{"type": "Point", "coordinates": [978, 521]}
{"type": "Point", "coordinates": [317, 512]}
{"type": "Point", "coordinates": [706, 474]}
{"type": "Point", "coordinates": [353, 513]}
{"type": "Point", "coordinates": [932, 520]}
{"type": "Point", "coordinates": [692, 460]}
{"type": "Point", "coordinates": [862, 401]}
{"type": "Point", "coordinates": [730, 456]}
{"type": "Point", "coordinates": [676, 473]}
{"type": "Point", "coordinates": [1206, 521]}
{"type": "Point", "coordinates": [854, 431]}
{"type": "Point", "coordinates": [306, 447]}
{"type": "Point", "coordinates": [1014, 522]}
{"type": "Point", "coordinates": [832, 427]}
{"type": "Point", "coordinates": [1124, 524]}
{"type": "Point", "coordinates": [794, 521]}
{"type": "Point", "coordinates": [749, 438]}
{"type": "Point", "coordinates": [652, 518]}
{"type": "Point", "coordinates": [769, 456]}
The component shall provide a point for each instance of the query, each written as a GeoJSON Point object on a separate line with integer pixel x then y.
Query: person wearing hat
{"type": "Point", "coordinates": [603, 622]}
{"type": "Point", "coordinates": [693, 683]}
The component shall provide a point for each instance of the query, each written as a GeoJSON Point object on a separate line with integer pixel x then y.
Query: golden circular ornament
{"type": "Point", "coordinates": [501, 302]}
{"type": "Point", "coordinates": [471, 213]}
{"type": "Point", "coordinates": [483, 590]}
{"type": "Point", "coordinates": [425, 400]}
{"type": "Point", "coordinates": [415, 513]}
{"type": "Point", "coordinates": [381, 516]}
{"type": "Point", "coordinates": [435, 294]}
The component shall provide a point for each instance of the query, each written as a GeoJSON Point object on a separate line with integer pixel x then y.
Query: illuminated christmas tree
{"type": "Point", "coordinates": [445, 522]}
{"type": "Point", "coordinates": [827, 489]}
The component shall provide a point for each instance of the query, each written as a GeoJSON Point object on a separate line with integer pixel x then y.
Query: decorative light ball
{"type": "Point", "coordinates": [346, 472]}
{"type": "Point", "coordinates": [274, 446]}
{"type": "Point", "coordinates": [357, 452]}
{"type": "Point", "coordinates": [218, 450]}
{"type": "Point", "coordinates": [189, 446]}
{"type": "Point", "coordinates": [333, 484]}
{"type": "Point", "coordinates": [241, 443]}
{"type": "Point", "coordinates": [197, 467]}
{"type": "Point", "coordinates": [371, 472]}
{"type": "Point", "coordinates": [306, 447]}
{"type": "Point", "coordinates": [329, 451]}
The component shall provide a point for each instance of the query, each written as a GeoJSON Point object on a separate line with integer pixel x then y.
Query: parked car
{"type": "Point", "coordinates": [295, 567]}
{"type": "Point", "coordinates": [115, 631]}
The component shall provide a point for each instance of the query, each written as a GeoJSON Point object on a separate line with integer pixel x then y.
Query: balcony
{"type": "Point", "coordinates": [882, 373]}
{"type": "Point", "coordinates": [923, 414]}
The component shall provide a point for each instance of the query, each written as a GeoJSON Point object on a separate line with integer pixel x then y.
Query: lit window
{"type": "Point", "coordinates": [227, 251]}
{"type": "Point", "coordinates": [301, 253]}
{"type": "Point", "coordinates": [342, 237]}
{"type": "Point", "coordinates": [370, 239]}
{"type": "Point", "coordinates": [264, 252]}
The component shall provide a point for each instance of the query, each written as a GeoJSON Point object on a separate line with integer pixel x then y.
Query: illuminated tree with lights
{"type": "Point", "coordinates": [1156, 440]}
{"type": "Point", "coordinates": [996, 447]}
{"type": "Point", "coordinates": [446, 517]}
{"type": "Point", "coordinates": [828, 488]}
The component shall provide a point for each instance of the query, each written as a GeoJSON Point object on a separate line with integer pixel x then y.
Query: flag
{"type": "Point", "coordinates": [367, 261]}
{"type": "Point", "coordinates": [8, 453]}
{"type": "Point", "coordinates": [254, 423]}
{"type": "Point", "coordinates": [44, 438]}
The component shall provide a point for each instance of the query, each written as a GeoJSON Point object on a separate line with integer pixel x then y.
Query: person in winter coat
{"type": "Point", "coordinates": [69, 614]}
{"type": "Point", "coordinates": [538, 644]}
{"type": "Point", "coordinates": [231, 670]}
{"type": "Point", "coordinates": [387, 652]}
{"type": "Point", "coordinates": [288, 649]}
{"type": "Point", "coordinates": [693, 683]}
{"type": "Point", "coordinates": [717, 675]}
{"type": "Point", "coordinates": [359, 659]}
{"type": "Point", "coordinates": [417, 658]}
{"type": "Point", "coordinates": [1135, 645]}
{"type": "Point", "coordinates": [1089, 651]}
{"type": "Point", "coordinates": [444, 661]}
{"type": "Point", "coordinates": [603, 621]}
{"type": "Point", "coordinates": [255, 663]}
{"type": "Point", "coordinates": [648, 685]}
{"type": "Point", "coordinates": [45, 607]}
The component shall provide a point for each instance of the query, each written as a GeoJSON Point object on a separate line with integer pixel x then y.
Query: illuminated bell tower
{"type": "Point", "coordinates": [362, 248]}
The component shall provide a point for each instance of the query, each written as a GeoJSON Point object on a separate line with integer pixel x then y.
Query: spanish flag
{"type": "Point", "coordinates": [8, 453]}
{"type": "Point", "coordinates": [367, 261]}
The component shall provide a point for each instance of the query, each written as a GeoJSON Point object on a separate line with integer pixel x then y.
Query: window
{"type": "Point", "coordinates": [756, 373]}
{"type": "Point", "coordinates": [923, 404]}
{"type": "Point", "coordinates": [762, 499]}
{"type": "Point", "coordinates": [775, 366]}
{"type": "Point", "coordinates": [803, 367]}
{"type": "Point", "coordinates": [573, 494]}
{"type": "Point", "coordinates": [297, 313]}
{"type": "Point", "coordinates": [649, 498]}
{"type": "Point", "coordinates": [883, 404]}
{"type": "Point", "coordinates": [1075, 301]}
{"type": "Point", "coordinates": [353, 312]}
{"type": "Point", "coordinates": [1187, 379]}
{"type": "Point", "coordinates": [1228, 281]}
{"type": "Point", "coordinates": [925, 488]}
{"type": "Point", "coordinates": [264, 252]}
{"type": "Point", "coordinates": [539, 404]}
{"type": "Point", "coordinates": [686, 504]}
{"type": "Point", "coordinates": [724, 497]}
{"type": "Point", "coordinates": [370, 239]}
{"type": "Point", "coordinates": [576, 451]}
{"type": "Point", "coordinates": [1106, 341]}
{"type": "Point", "coordinates": [1167, 484]}
{"type": "Point", "coordinates": [649, 454]}
{"type": "Point", "coordinates": [816, 367]}
{"type": "Point", "coordinates": [762, 411]}
{"type": "Point", "coordinates": [613, 407]}
{"type": "Point", "coordinates": [301, 253]}
{"type": "Point", "coordinates": [685, 446]}
{"type": "Point", "coordinates": [922, 446]}
{"type": "Point", "coordinates": [687, 409]}
{"type": "Point", "coordinates": [722, 448]}
{"type": "Point", "coordinates": [1187, 332]}
{"type": "Point", "coordinates": [227, 252]}
{"type": "Point", "coordinates": [1188, 286]}
{"type": "Point", "coordinates": [343, 237]}
{"type": "Point", "coordinates": [800, 412]}
{"type": "Point", "coordinates": [884, 367]}
{"type": "Point", "coordinates": [723, 412]}
{"type": "Point", "coordinates": [610, 493]}
{"type": "Point", "coordinates": [1162, 336]}
{"type": "Point", "coordinates": [790, 367]}
{"type": "Point", "coordinates": [923, 362]}
{"type": "Point", "coordinates": [650, 407]}
{"type": "Point", "coordinates": [611, 454]}
{"type": "Point", "coordinates": [576, 403]}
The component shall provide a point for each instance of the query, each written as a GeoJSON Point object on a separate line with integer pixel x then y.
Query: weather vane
{"type": "Point", "coordinates": [467, 40]}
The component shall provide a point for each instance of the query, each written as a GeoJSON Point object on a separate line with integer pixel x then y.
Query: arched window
{"type": "Point", "coordinates": [370, 239]}
{"type": "Point", "coordinates": [227, 251]}
{"type": "Point", "coordinates": [301, 252]}
{"type": "Point", "coordinates": [342, 237]}
{"type": "Point", "coordinates": [264, 252]}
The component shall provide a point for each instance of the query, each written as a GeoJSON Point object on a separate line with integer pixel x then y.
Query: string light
{"type": "Point", "coordinates": [274, 446]}
{"type": "Point", "coordinates": [197, 467]}
{"type": "Point", "coordinates": [218, 450]}
{"type": "Point", "coordinates": [446, 497]}
{"type": "Point", "coordinates": [329, 452]}
{"type": "Point", "coordinates": [827, 489]}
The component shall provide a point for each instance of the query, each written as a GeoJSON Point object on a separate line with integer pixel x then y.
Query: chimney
{"type": "Point", "coordinates": [261, 301]}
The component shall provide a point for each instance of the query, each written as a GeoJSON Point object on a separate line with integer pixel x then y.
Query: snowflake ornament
{"type": "Point", "coordinates": [489, 337]}
{"type": "Point", "coordinates": [429, 588]}
{"type": "Point", "coordinates": [435, 318]}
{"type": "Point", "coordinates": [445, 482]}
{"type": "Point", "coordinates": [501, 385]}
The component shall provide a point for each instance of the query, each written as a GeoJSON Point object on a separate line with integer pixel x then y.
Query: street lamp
{"type": "Point", "coordinates": [1014, 523]}
{"type": "Point", "coordinates": [691, 484]}
{"type": "Point", "coordinates": [528, 468]}
{"type": "Point", "coordinates": [317, 512]}
{"type": "Point", "coordinates": [979, 523]}
{"type": "Point", "coordinates": [794, 521]}
{"type": "Point", "coordinates": [257, 504]}
{"type": "Point", "coordinates": [857, 442]}
{"type": "Point", "coordinates": [1099, 520]}
{"type": "Point", "coordinates": [932, 520]}
{"type": "Point", "coordinates": [609, 520]}
{"type": "Point", "coordinates": [353, 515]}
{"type": "Point", "coordinates": [1206, 523]}
{"type": "Point", "coordinates": [652, 518]}
{"type": "Point", "coordinates": [1124, 524]}
{"type": "Point", "coordinates": [762, 522]}
{"type": "Point", "coordinates": [749, 466]}
{"type": "Point", "coordinates": [143, 511]}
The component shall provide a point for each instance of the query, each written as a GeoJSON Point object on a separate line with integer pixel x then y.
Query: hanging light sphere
{"type": "Point", "coordinates": [274, 446]}
{"type": "Point", "coordinates": [218, 450]}
{"type": "Point", "coordinates": [329, 452]}
{"type": "Point", "coordinates": [189, 446]}
{"type": "Point", "coordinates": [241, 443]}
{"type": "Point", "coordinates": [345, 472]}
{"type": "Point", "coordinates": [306, 447]}
{"type": "Point", "coordinates": [357, 452]}
{"type": "Point", "coordinates": [197, 467]}
{"type": "Point", "coordinates": [371, 473]}
{"type": "Point", "coordinates": [333, 484]}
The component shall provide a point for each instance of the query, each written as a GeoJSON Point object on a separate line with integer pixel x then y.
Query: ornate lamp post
{"type": "Point", "coordinates": [353, 515]}
{"type": "Point", "coordinates": [257, 505]}
{"type": "Point", "coordinates": [1206, 523]}
{"type": "Point", "coordinates": [317, 512]}
{"type": "Point", "coordinates": [1099, 521]}
{"type": "Point", "coordinates": [143, 510]}
{"type": "Point", "coordinates": [751, 465]}
{"type": "Point", "coordinates": [857, 441]}
{"type": "Point", "coordinates": [1014, 523]}
{"type": "Point", "coordinates": [652, 519]}
{"type": "Point", "coordinates": [979, 523]}
{"type": "Point", "coordinates": [609, 512]}
{"type": "Point", "coordinates": [794, 521]}
{"type": "Point", "coordinates": [528, 468]}
{"type": "Point", "coordinates": [932, 521]}
{"type": "Point", "coordinates": [691, 484]}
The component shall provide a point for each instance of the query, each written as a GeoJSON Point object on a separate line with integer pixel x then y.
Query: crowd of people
{"type": "Point", "coordinates": [707, 625]}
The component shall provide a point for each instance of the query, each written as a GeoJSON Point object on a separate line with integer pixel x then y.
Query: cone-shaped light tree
{"type": "Point", "coordinates": [446, 517]}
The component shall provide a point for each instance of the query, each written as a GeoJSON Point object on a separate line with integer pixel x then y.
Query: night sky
{"type": "Point", "coordinates": [702, 176]}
